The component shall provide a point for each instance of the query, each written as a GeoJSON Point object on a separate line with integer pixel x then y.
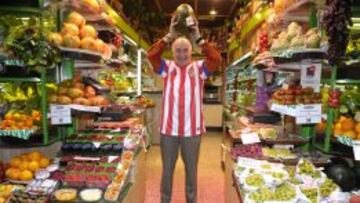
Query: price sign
{"type": "Point", "coordinates": [356, 149]}
{"type": "Point", "coordinates": [308, 119]}
{"type": "Point", "coordinates": [283, 146]}
{"type": "Point", "coordinates": [60, 114]}
{"type": "Point", "coordinates": [310, 76]}
{"type": "Point", "coordinates": [97, 144]}
{"type": "Point", "coordinates": [250, 138]}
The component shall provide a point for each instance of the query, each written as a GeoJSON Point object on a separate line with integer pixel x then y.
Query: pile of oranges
{"type": "Point", "coordinates": [347, 127]}
{"type": "Point", "coordinates": [24, 166]}
{"type": "Point", "coordinates": [20, 121]}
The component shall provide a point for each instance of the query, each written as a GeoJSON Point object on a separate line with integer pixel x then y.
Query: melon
{"type": "Point", "coordinates": [82, 101]}
{"type": "Point", "coordinates": [92, 5]}
{"type": "Point", "coordinates": [99, 44]}
{"type": "Point", "coordinates": [74, 93]}
{"type": "Point", "coordinates": [71, 41]}
{"type": "Point", "coordinates": [70, 29]}
{"type": "Point", "coordinates": [64, 100]}
{"type": "Point", "coordinates": [55, 38]}
{"type": "Point", "coordinates": [77, 19]}
{"type": "Point", "coordinates": [88, 31]}
{"type": "Point", "coordinates": [106, 52]}
{"type": "Point", "coordinates": [90, 92]}
{"type": "Point", "coordinates": [88, 43]}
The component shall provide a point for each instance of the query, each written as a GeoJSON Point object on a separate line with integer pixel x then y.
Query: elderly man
{"type": "Point", "coordinates": [182, 120]}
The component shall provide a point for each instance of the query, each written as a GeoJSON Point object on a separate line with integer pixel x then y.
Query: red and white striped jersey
{"type": "Point", "coordinates": [182, 106]}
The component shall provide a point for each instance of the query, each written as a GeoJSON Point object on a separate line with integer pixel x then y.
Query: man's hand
{"type": "Point", "coordinates": [172, 35]}
{"type": "Point", "coordinates": [194, 34]}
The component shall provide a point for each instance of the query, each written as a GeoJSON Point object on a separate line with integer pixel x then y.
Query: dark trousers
{"type": "Point", "coordinates": [190, 147]}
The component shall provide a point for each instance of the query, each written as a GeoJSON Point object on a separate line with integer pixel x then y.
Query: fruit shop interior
{"type": "Point", "coordinates": [80, 103]}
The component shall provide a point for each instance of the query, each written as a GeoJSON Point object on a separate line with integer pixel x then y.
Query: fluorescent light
{"type": "Point", "coordinates": [138, 66]}
{"type": "Point", "coordinates": [213, 12]}
{"type": "Point", "coordinates": [130, 40]}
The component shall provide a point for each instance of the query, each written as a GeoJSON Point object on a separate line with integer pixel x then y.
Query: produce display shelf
{"type": "Point", "coordinates": [294, 7]}
{"type": "Point", "coordinates": [237, 187]}
{"type": "Point", "coordinates": [18, 79]}
{"type": "Point", "coordinates": [294, 140]}
{"type": "Point", "coordinates": [298, 55]}
{"type": "Point", "coordinates": [21, 10]}
{"type": "Point", "coordinates": [30, 144]}
{"type": "Point", "coordinates": [82, 108]}
{"type": "Point", "coordinates": [114, 63]}
{"type": "Point", "coordinates": [298, 110]}
{"type": "Point", "coordinates": [80, 54]}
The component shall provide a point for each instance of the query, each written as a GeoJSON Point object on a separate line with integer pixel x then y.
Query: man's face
{"type": "Point", "coordinates": [182, 49]}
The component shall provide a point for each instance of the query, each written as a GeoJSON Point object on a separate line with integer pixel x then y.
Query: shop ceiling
{"type": "Point", "coordinates": [224, 9]}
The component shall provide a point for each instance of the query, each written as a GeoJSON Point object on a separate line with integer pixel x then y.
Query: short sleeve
{"type": "Point", "coordinates": [203, 70]}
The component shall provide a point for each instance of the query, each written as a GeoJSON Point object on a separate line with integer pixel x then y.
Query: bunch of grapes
{"type": "Point", "coordinates": [337, 17]}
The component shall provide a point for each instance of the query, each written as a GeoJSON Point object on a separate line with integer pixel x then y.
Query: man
{"type": "Point", "coordinates": [182, 120]}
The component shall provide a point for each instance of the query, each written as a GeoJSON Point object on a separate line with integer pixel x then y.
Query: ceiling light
{"type": "Point", "coordinates": [213, 12]}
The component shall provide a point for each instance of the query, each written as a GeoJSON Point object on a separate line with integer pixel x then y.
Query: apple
{"type": "Point", "coordinates": [335, 93]}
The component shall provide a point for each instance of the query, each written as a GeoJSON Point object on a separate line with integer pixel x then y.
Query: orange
{"type": "Point", "coordinates": [34, 166]}
{"type": "Point", "coordinates": [338, 125]}
{"type": "Point", "coordinates": [25, 157]}
{"type": "Point", "coordinates": [342, 119]}
{"type": "Point", "coordinates": [350, 134]}
{"type": "Point", "coordinates": [44, 162]}
{"type": "Point", "coordinates": [9, 116]}
{"type": "Point", "coordinates": [24, 165]}
{"type": "Point", "coordinates": [35, 114]}
{"type": "Point", "coordinates": [20, 125]}
{"type": "Point", "coordinates": [15, 162]}
{"type": "Point", "coordinates": [320, 127]}
{"type": "Point", "coordinates": [348, 125]}
{"type": "Point", "coordinates": [338, 132]}
{"type": "Point", "coordinates": [35, 156]}
{"type": "Point", "coordinates": [29, 123]}
{"type": "Point", "coordinates": [358, 136]}
{"type": "Point", "coordinates": [357, 127]}
{"type": "Point", "coordinates": [26, 175]}
{"type": "Point", "coordinates": [13, 173]}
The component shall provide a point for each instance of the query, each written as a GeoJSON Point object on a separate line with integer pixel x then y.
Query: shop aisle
{"type": "Point", "coordinates": [210, 174]}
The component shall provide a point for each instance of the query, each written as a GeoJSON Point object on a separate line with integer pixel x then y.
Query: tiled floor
{"type": "Point", "coordinates": [210, 174]}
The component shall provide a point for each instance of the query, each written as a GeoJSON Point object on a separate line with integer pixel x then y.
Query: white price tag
{"type": "Point", "coordinates": [97, 144]}
{"type": "Point", "coordinates": [308, 119]}
{"type": "Point", "coordinates": [60, 114]}
{"type": "Point", "coordinates": [190, 21]}
{"type": "Point", "coordinates": [112, 158]}
{"type": "Point", "coordinates": [311, 75]}
{"type": "Point", "coordinates": [277, 146]}
{"type": "Point", "coordinates": [250, 138]}
{"type": "Point", "coordinates": [356, 149]}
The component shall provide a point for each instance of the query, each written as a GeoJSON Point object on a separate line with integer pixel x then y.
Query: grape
{"type": "Point", "coordinates": [284, 192]}
{"type": "Point", "coordinates": [255, 180]}
{"type": "Point", "coordinates": [327, 188]}
{"type": "Point", "coordinates": [311, 194]}
{"type": "Point", "coordinates": [337, 17]}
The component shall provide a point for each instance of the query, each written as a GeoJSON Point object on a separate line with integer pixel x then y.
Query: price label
{"type": "Point", "coordinates": [356, 149]}
{"type": "Point", "coordinates": [97, 144]}
{"type": "Point", "coordinates": [277, 146]}
{"type": "Point", "coordinates": [190, 21]}
{"type": "Point", "coordinates": [250, 138]}
{"type": "Point", "coordinates": [308, 119]}
{"type": "Point", "coordinates": [60, 114]}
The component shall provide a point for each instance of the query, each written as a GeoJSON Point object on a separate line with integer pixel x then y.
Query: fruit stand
{"type": "Point", "coordinates": [82, 92]}
{"type": "Point", "coordinates": [298, 113]}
